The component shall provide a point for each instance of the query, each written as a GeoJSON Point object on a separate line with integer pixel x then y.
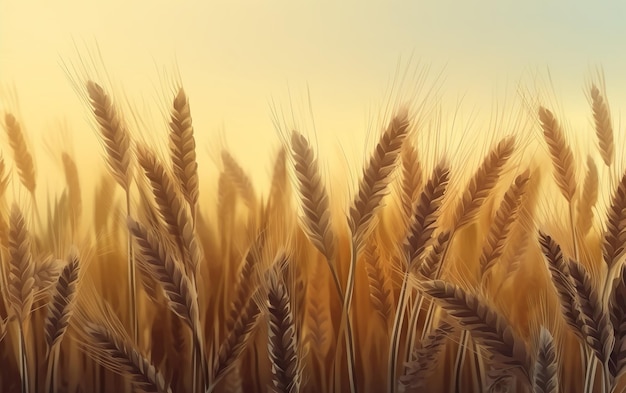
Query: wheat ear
{"type": "Point", "coordinates": [119, 355]}
{"type": "Point", "coordinates": [598, 328]}
{"type": "Point", "coordinates": [604, 128]}
{"type": "Point", "coordinates": [483, 181]}
{"type": "Point", "coordinates": [114, 134]}
{"type": "Point", "coordinates": [504, 219]}
{"type": "Point", "coordinates": [60, 309]}
{"type": "Point", "coordinates": [412, 178]}
{"type": "Point", "coordinates": [615, 235]}
{"type": "Point", "coordinates": [236, 341]}
{"type": "Point", "coordinates": [21, 154]}
{"type": "Point", "coordinates": [488, 327]}
{"type": "Point", "coordinates": [379, 285]}
{"type": "Point", "coordinates": [239, 178]}
{"type": "Point", "coordinates": [588, 198]}
{"type": "Point", "coordinates": [314, 197]}
{"type": "Point", "coordinates": [183, 150]}
{"type": "Point", "coordinates": [560, 152]}
{"type": "Point", "coordinates": [21, 282]}
{"type": "Point", "coordinates": [282, 336]}
{"type": "Point", "coordinates": [545, 375]}
{"type": "Point", "coordinates": [426, 357]}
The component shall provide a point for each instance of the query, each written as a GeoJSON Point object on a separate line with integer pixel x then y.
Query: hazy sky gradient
{"type": "Point", "coordinates": [236, 57]}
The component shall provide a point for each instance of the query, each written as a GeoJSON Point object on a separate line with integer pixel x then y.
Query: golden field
{"type": "Point", "coordinates": [488, 261]}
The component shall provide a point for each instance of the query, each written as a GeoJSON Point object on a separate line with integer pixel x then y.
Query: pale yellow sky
{"type": "Point", "coordinates": [237, 57]}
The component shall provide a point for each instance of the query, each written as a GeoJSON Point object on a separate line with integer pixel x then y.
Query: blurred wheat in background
{"type": "Point", "coordinates": [501, 270]}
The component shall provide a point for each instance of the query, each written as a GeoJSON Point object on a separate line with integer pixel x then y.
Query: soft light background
{"type": "Point", "coordinates": [236, 58]}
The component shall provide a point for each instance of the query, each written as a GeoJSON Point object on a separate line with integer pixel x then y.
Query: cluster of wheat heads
{"type": "Point", "coordinates": [419, 295]}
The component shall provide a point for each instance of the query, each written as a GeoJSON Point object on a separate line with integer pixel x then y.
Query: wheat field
{"type": "Point", "coordinates": [505, 276]}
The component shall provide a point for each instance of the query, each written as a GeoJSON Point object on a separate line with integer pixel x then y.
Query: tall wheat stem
{"type": "Point", "coordinates": [395, 334]}
{"type": "Point", "coordinates": [345, 319]}
{"type": "Point", "coordinates": [132, 284]}
{"type": "Point", "coordinates": [23, 361]}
